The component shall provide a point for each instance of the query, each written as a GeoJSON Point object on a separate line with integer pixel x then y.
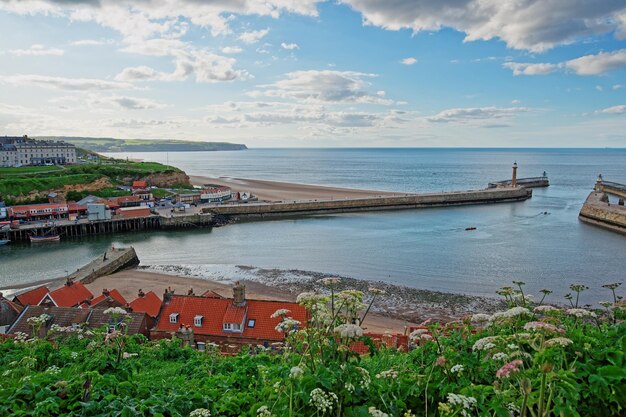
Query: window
{"type": "Point", "coordinates": [201, 346]}
{"type": "Point", "coordinates": [232, 327]}
{"type": "Point", "coordinates": [251, 323]}
{"type": "Point", "coordinates": [197, 321]}
{"type": "Point", "coordinates": [174, 318]}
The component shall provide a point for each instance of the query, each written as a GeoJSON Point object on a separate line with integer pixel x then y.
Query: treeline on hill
{"type": "Point", "coordinates": [21, 185]}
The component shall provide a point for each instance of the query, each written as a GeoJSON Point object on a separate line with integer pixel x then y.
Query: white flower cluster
{"type": "Point", "coordinates": [377, 291]}
{"type": "Point", "coordinates": [38, 320]}
{"type": "Point", "coordinates": [323, 401]}
{"type": "Point", "coordinates": [544, 309]}
{"type": "Point", "coordinates": [296, 372]}
{"type": "Point", "coordinates": [115, 311]}
{"type": "Point", "coordinates": [200, 412]}
{"type": "Point", "coordinates": [558, 341]}
{"type": "Point", "coordinates": [280, 313]}
{"type": "Point", "coordinates": [74, 355]}
{"type": "Point", "coordinates": [374, 412]}
{"type": "Point", "coordinates": [349, 330]}
{"type": "Point", "coordinates": [419, 335]}
{"type": "Point", "coordinates": [388, 374]}
{"type": "Point", "coordinates": [365, 377]}
{"type": "Point", "coordinates": [466, 402]}
{"type": "Point", "coordinates": [20, 337]}
{"type": "Point", "coordinates": [286, 325]}
{"type": "Point", "coordinates": [512, 346]}
{"type": "Point", "coordinates": [500, 356]}
{"type": "Point", "coordinates": [485, 343]}
{"type": "Point", "coordinates": [480, 318]}
{"type": "Point", "coordinates": [127, 355]}
{"type": "Point", "coordinates": [53, 370]}
{"type": "Point", "coordinates": [537, 326]}
{"type": "Point", "coordinates": [514, 410]}
{"type": "Point", "coordinates": [580, 312]}
{"type": "Point", "coordinates": [264, 411]}
{"type": "Point", "coordinates": [329, 281]}
{"type": "Point", "coordinates": [350, 387]}
{"type": "Point", "coordinates": [510, 313]}
{"type": "Point", "coordinates": [457, 369]}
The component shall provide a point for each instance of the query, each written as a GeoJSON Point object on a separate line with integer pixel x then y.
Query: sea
{"type": "Point", "coordinates": [539, 241]}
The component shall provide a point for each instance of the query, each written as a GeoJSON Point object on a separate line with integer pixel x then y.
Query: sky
{"type": "Point", "coordinates": [313, 73]}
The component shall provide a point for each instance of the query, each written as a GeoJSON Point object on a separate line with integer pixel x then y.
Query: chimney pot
{"type": "Point", "coordinates": [239, 294]}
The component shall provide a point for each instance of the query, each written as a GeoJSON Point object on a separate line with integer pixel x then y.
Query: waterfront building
{"type": "Point", "coordinates": [98, 212]}
{"type": "Point", "coordinates": [215, 193]}
{"type": "Point", "coordinates": [18, 151]}
{"type": "Point", "coordinates": [191, 198]}
{"type": "Point", "coordinates": [3, 210]}
{"type": "Point", "coordinates": [30, 212]}
{"type": "Point", "coordinates": [133, 212]}
{"type": "Point", "coordinates": [235, 321]}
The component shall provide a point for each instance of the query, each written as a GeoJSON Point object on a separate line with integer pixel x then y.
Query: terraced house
{"type": "Point", "coordinates": [22, 150]}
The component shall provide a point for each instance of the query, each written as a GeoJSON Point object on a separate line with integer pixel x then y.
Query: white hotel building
{"type": "Point", "coordinates": [18, 151]}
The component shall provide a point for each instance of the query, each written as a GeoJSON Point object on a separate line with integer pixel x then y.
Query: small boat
{"type": "Point", "coordinates": [4, 242]}
{"type": "Point", "coordinates": [470, 228]}
{"type": "Point", "coordinates": [50, 238]}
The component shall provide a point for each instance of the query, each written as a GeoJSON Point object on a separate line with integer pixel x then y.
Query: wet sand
{"type": "Point", "coordinates": [129, 282]}
{"type": "Point", "coordinates": [283, 191]}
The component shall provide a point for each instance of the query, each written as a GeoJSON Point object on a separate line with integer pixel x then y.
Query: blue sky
{"type": "Point", "coordinates": [310, 73]}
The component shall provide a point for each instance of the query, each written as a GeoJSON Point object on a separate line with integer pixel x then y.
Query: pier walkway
{"type": "Point", "coordinates": [599, 212]}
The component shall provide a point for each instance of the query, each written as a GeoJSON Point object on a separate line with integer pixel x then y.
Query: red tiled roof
{"type": "Point", "coordinates": [150, 304]}
{"type": "Point", "coordinates": [76, 207]}
{"type": "Point", "coordinates": [70, 295]}
{"type": "Point", "coordinates": [211, 293]}
{"type": "Point", "coordinates": [214, 311]}
{"type": "Point", "coordinates": [234, 314]}
{"type": "Point", "coordinates": [114, 294]}
{"type": "Point", "coordinates": [33, 296]}
{"type": "Point", "coordinates": [140, 184]}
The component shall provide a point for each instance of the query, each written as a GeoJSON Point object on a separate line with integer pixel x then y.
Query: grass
{"type": "Point", "coordinates": [28, 170]}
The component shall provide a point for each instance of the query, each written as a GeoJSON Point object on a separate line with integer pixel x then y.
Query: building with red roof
{"type": "Point", "coordinates": [148, 303]}
{"type": "Point", "coordinates": [72, 294]}
{"type": "Point", "coordinates": [31, 297]}
{"type": "Point", "coordinates": [108, 298]}
{"type": "Point", "coordinates": [139, 185]}
{"type": "Point", "coordinates": [38, 211]}
{"type": "Point", "coordinates": [225, 320]}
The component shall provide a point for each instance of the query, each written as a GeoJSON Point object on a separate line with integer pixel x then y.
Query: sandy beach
{"type": "Point", "coordinates": [129, 282]}
{"type": "Point", "coordinates": [283, 191]}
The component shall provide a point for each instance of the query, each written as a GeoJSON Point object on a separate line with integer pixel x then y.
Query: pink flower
{"type": "Point", "coordinates": [509, 368]}
{"type": "Point", "coordinates": [441, 361]}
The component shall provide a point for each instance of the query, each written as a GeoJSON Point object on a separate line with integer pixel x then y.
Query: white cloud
{"type": "Point", "coordinates": [37, 50]}
{"type": "Point", "coordinates": [128, 103]}
{"type": "Point", "coordinates": [522, 24]}
{"type": "Point", "coordinates": [253, 36]}
{"type": "Point", "coordinates": [621, 109]}
{"type": "Point", "coordinates": [323, 86]}
{"type": "Point", "coordinates": [62, 83]}
{"type": "Point", "coordinates": [93, 42]}
{"type": "Point", "coordinates": [597, 64]}
{"type": "Point", "coordinates": [618, 86]}
{"type": "Point", "coordinates": [476, 114]}
{"type": "Point", "coordinates": [231, 50]}
{"type": "Point", "coordinates": [408, 61]}
{"type": "Point", "coordinates": [289, 46]}
{"type": "Point", "coordinates": [520, 68]}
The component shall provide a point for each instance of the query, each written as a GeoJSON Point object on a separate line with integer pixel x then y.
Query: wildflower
{"type": "Point", "coordinates": [296, 372]}
{"type": "Point", "coordinates": [53, 370]}
{"type": "Point", "coordinates": [606, 304]}
{"type": "Point", "coordinates": [20, 337]}
{"type": "Point", "coordinates": [286, 325]}
{"type": "Point", "coordinates": [541, 326]}
{"type": "Point", "coordinates": [612, 286]}
{"type": "Point", "coordinates": [512, 346]}
{"type": "Point", "coordinates": [264, 411]}
{"type": "Point", "coordinates": [560, 341]}
{"type": "Point", "coordinates": [323, 401]}
{"type": "Point", "coordinates": [544, 309]}
{"type": "Point", "coordinates": [441, 361]}
{"type": "Point", "coordinates": [350, 387]}
{"type": "Point", "coordinates": [115, 311]}
{"type": "Point", "coordinates": [6, 373]}
{"type": "Point", "coordinates": [377, 291]}
{"type": "Point", "coordinates": [388, 374]}
{"type": "Point", "coordinates": [74, 355]}
{"type": "Point", "coordinates": [349, 330]}
{"type": "Point", "coordinates": [38, 320]}
{"type": "Point", "coordinates": [513, 409]}
{"type": "Point", "coordinates": [500, 356]}
{"type": "Point", "coordinates": [329, 282]}
{"type": "Point", "coordinates": [280, 313]}
{"type": "Point", "coordinates": [127, 355]}
{"type": "Point", "coordinates": [485, 343]}
{"type": "Point", "coordinates": [578, 287]}
{"type": "Point", "coordinates": [466, 403]}
{"type": "Point", "coordinates": [408, 413]}
{"type": "Point", "coordinates": [457, 369]}
{"type": "Point", "coordinates": [200, 412]}
{"type": "Point", "coordinates": [365, 377]}
{"type": "Point", "coordinates": [510, 313]}
{"type": "Point", "coordinates": [480, 318]}
{"type": "Point", "coordinates": [419, 334]}
{"type": "Point", "coordinates": [580, 312]}
{"type": "Point", "coordinates": [509, 368]}
{"type": "Point", "coordinates": [374, 412]}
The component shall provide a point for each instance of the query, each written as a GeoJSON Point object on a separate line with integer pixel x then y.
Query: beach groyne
{"type": "Point", "coordinates": [409, 201]}
{"type": "Point", "coordinates": [598, 211]}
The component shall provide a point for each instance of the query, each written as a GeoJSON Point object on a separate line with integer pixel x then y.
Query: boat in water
{"type": "Point", "coordinates": [4, 242]}
{"type": "Point", "coordinates": [50, 236]}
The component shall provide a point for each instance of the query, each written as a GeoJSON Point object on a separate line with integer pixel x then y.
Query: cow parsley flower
{"type": "Point", "coordinates": [296, 372]}
{"type": "Point", "coordinates": [200, 412]}
{"type": "Point", "coordinates": [74, 355]}
{"type": "Point", "coordinates": [480, 318]}
{"type": "Point", "coordinates": [457, 369]}
{"type": "Point", "coordinates": [365, 377]}
{"type": "Point", "coordinates": [510, 313]}
{"type": "Point", "coordinates": [544, 309]}
{"type": "Point", "coordinates": [509, 368]}
{"type": "Point", "coordinates": [330, 281]}
{"type": "Point", "coordinates": [374, 412]}
{"type": "Point", "coordinates": [500, 356]}
{"type": "Point", "coordinates": [580, 312]}
{"type": "Point", "coordinates": [264, 411]}
{"type": "Point", "coordinates": [53, 370]}
{"type": "Point", "coordinates": [465, 402]}
{"type": "Point", "coordinates": [323, 401]}
{"type": "Point", "coordinates": [115, 311]}
{"type": "Point", "coordinates": [349, 330]}
{"type": "Point", "coordinates": [286, 325]}
{"type": "Point", "coordinates": [485, 343]}
{"type": "Point", "coordinates": [558, 341]}
{"type": "Point", "coordinates": [388, 374]}
{"type": "Point", "coordinates": [539, 326]}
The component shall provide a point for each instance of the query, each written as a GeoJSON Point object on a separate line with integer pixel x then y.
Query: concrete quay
{"type": "Point", "coordinates": [111, 261]}
{"type": "Point", "coordinates": [533, 182]}
{"type": "Point", "coordinates": [610, 187]}
{"type": "Point", "coordinates": [598, 212]}
{"type": "Point", "coordinates": [409, 201]}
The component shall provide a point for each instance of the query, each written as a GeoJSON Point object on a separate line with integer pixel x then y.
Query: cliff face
{"type": "Point", "coordinates": [170, 179]}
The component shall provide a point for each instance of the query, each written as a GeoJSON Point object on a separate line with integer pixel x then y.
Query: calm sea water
{"type": "Point", "coordinates": [420, 248]}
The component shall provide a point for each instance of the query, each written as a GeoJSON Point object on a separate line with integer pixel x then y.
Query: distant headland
{"type": "Point", "coordinates": [145, 145]}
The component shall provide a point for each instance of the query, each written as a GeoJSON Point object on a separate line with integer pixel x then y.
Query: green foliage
{"type": "Point", "coordinates": [570, 364]}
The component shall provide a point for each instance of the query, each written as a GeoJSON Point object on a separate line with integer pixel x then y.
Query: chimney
{"type": "Point", "coordinates": [239, 294]}
{"type": "Point", "coordinates": [105, 292]}
{"type": "Point", "coordinates": [514, 178]}
{"type": "Point", "coordinates": [140, 293]}
{"type": "Point", "coordinates": [1, 296]}
{"type": "Point", "coordinates": [167, 295]}
{"type": "Point", "coordinates": [69, 281]}
{"type": "Point", "coordinates": [190, 292]}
